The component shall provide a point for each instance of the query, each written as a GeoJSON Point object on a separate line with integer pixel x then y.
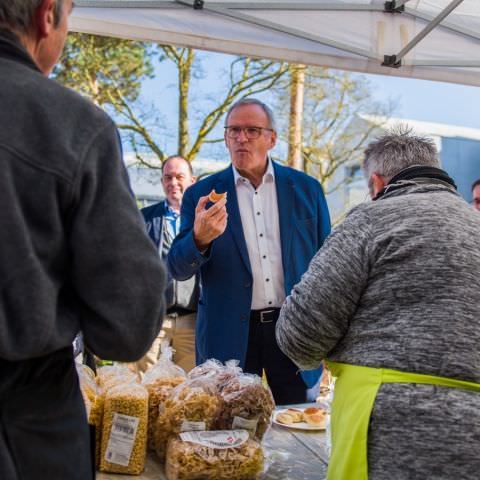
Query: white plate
{"type": "Point", "coordinates": [297, 425]}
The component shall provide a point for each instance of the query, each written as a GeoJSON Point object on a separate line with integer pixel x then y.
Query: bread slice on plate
{"type": "Point", "coordinates": [285, 418]}
{"type": "Point", "coordinates": [315, 416]}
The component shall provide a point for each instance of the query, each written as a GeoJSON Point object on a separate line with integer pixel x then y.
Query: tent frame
{"type": "Point", "coordinates": [230, 9]}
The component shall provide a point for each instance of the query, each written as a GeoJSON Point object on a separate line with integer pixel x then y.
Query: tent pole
{"type": "Point", "coordinates": [281, 28]}
{"type": "Point", "coordinates": [448, 25]}
{"type": "Point", "coordinates": [421, 35]}
{"type": "Point", "coordinates": [299, 6]}
{"type": "Point", "coordinates": [126, 4]}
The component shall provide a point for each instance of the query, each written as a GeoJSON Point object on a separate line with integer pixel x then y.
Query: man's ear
{"type": "Point", "coordinates": [45, 18]}
{"type": "Point", "coordinates": [378, 183]}
{"type": "Point", "coordinates": [274, 139]}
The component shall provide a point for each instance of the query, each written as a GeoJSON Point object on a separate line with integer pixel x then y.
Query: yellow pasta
{"type": "Point", "coordinates": [124, 433]}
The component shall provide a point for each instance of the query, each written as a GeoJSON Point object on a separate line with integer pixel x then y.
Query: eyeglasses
{"type": "Point", "coordinates": [252, 133]}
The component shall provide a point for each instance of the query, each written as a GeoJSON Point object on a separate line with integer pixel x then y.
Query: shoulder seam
{"type": "Point", "coordinates": [27, 159]}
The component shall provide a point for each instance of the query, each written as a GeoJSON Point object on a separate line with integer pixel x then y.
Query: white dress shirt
{"type": "Point", "coordinates": [261, 228]}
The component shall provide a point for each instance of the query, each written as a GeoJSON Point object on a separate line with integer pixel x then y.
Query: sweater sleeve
{"type": "Point", "coordinates": [316, 314]}
{"type": "Point", "coordinates": [116, 270]}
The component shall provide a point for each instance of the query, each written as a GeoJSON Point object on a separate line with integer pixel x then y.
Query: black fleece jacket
{"type": "Point", "coordinates": [74, 254]}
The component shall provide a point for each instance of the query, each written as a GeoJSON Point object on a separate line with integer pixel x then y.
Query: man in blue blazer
{"type": "Point", "coordinates": [250, 249]}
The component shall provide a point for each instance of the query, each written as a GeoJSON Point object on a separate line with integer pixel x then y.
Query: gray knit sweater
{"type": "Point", "coordinates": [397, 285]}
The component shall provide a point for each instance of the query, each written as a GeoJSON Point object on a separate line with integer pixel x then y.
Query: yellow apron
{"type": "Point", "coordinates": [355, 390]}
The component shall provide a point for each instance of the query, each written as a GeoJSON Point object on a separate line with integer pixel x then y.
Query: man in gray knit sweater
{"type": "Point", "coordinates": [392, 302]}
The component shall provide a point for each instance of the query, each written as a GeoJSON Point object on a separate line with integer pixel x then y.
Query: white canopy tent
{"type": "Point", "coordinates": [428, 39]}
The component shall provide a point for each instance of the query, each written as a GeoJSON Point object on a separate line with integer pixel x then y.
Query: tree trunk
{"type": "Point", "coordinates": [297, 88]}
{"type": "Point", "coordinates": [184, 74]}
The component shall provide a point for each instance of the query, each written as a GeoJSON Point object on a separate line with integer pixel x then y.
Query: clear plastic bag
{"type": "Point", "coordinates": [94, 394]}
{"type": "Point", "coordinates": [208, 369]}
{"type": "Point", "coordinates": [164, 368]}
{"type": "Point", "coordinates": [247, 404]}
{"type": "Point", "coordinates": [124, 433]}
{"type": "Point", "coordinates": [228, 374]}
{"type": "Point", "coordinates": [188, 460]}
{"type": "Point", "coordinates": [108, 377]}
{"type": "Point", "coordinates": [159, 381]}
{"type": "Point", "coordinates": [113, 375]}
{"type": "Point", "coordinates": [88, 387]}
{"type": "Point", "coordinates": [193, 405]}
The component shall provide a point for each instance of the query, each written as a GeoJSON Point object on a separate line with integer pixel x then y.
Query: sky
{"type": "Point", "coordinates": [431, 101]}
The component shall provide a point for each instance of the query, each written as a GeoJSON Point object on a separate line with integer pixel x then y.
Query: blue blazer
{"type": "Point", "coordinates": [153, 216]}
{"type": "Point", "coordinates": [226, 276]}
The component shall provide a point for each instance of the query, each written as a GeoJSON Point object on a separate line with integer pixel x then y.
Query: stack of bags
{"type": "Point", "coordinates": [208, 424]}
{"type": "Point", "coordinates": [212, 425]}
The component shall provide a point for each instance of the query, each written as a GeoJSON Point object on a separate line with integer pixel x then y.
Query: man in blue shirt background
{"type": "Point", "coordinates": [163, 224]}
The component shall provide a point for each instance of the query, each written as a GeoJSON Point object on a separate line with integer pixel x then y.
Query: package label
{"type": "Point", "coordinates": [122, 439]}
{"type": "Point", "coordinates": [192, 426]}
{"type": "Point", "coordinates": [217, 438]}
{"type": "Point", "coordinates": [245, 424]}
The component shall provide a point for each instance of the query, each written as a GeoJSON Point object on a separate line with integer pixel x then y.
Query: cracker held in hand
{"type": "Point", "coordinates": [214, 197]}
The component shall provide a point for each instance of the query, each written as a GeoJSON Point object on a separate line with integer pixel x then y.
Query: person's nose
{"type": "Point", "coordinates": [242, 136]}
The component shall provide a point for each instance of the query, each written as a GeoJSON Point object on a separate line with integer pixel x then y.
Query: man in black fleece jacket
{"type": "Point", "coordinates": [74, 254]}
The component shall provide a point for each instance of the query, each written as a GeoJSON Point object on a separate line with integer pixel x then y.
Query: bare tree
{"type": "Point", "coordinates": [333, 133]}
{"type": "Point", "coordinates": [143, 126]}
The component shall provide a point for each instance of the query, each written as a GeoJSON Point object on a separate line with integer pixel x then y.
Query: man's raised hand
{"type": "Point", "coordinates": [209, 223]}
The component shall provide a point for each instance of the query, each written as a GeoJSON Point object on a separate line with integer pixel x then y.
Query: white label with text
{"type": "Point", "coordinates": [217, 438]}
{"type": "Point", "coordinates": [122, 439]}
{"type": "Point", "coordinates": [192, 426]}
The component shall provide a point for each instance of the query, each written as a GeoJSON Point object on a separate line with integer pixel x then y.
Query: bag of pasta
{"type": "Point", "coordinates": [193, 405]}
{"type": "Point", "coordinates": [124, 433]}
{"type": "Point", "coordinates": [215, 371]}
{"type": "Point", "coordinates": [214, 455]}
{"type": "Point", "coordinates": [247, 404]}
{"type": "Point", "coordinates": [94, 394]}
{"type": "Point", "coordinates": [228, 374]}
{"type": "Point", "coordinates": [110, 376]}
{"type": "Point", "coordinates": [89, 389]}
{"type": "Point", "coordinates": [159, 381]}
{"type": "Point", "coordinates": [208, 369]}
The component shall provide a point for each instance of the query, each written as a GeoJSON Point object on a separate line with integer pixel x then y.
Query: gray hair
{"type": "Point", "coordinates": [18, 15]}
{"type": "Point", "coordinates": [253, 101]}
{"type": "Point", "coordinates": [397, 150]}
